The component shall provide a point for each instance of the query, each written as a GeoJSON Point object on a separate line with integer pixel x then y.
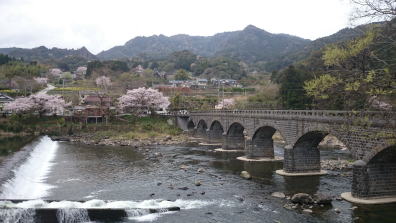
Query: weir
{"type": "Point", "coordinates": [71, 211]}
{"type": "Point", "coordinates": [28, 180]}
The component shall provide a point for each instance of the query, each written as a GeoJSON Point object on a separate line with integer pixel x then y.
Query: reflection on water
{"type": "Point", "coordinates": [9, 145]}
{"type": "Point", "coordinates": [124, 174]}
{"type": "Point", "coordinates": [304, 184]}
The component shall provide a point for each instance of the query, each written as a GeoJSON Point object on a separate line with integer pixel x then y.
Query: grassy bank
{"type": "Point", "coordinates": [125, 128]}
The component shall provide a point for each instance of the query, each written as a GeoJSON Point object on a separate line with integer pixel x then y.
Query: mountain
{"type": "Point", "coordinates": [250, 44]}
{"type": "Point", "coordinates": [313, 48]}
{"type": "Point", "coordinates": [43, 53]}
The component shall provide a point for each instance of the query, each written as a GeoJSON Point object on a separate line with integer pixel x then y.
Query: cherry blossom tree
{"type": "Point", "coordinates": [225, 104]}
{"type": "Point", "coordinates": [41, 103]}
{"type": "Point", "coordinates": [49, 104]}
{"type": "Point", "coordinates": [103, 81]}
{"type": "Point", "coordinates": [143, 98]}
{"type": "Point", "coordinates": [20, 105]}
{"type": "Point", "coordinates": [41, 80]}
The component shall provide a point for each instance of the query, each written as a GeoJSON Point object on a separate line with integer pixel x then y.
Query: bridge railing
{"type": "Point", "coordinates": [328, 115]}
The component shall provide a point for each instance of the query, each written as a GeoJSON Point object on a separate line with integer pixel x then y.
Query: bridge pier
{"type": "Point", "coordinates": [259, 150]}
{"type": "Point", "coordinates": [261, 146]}
{"type": "Point", "coordinates": [374, 182]}
{"type": "Point", "coordinates": [215, 134]}
{"type": "Point", "coordinates": [301, 161]}
{"type": "Point", "coordinates": [233, 143]}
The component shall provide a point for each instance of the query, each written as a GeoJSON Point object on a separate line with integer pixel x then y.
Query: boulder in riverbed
{"type": "Point", "coordinates": [323, 199]}
{"type": "Point", "coordinates": [278, 195]}
{"type": "Point", "coordinates": [246, 175]}
{"type": "Point", "coordinates": [302, 198]}
{"type": "Point", "coordinates": [201, 170]}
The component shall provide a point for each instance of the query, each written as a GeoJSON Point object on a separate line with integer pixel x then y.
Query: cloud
{"type": "Point", "coordinates": [101, 24]}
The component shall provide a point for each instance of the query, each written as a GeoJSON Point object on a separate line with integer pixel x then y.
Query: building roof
{"type": "Point", "coordinates": [5, 98]}
{"type": "Point", "coordinates": [95, 98]}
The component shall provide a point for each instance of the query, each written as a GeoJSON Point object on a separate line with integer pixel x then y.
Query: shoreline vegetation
{"type": "Point", "coordinates": [125, 131]}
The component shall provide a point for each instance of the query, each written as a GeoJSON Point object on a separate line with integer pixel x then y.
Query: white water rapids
{"type": "Point", "coordinates": [28, 180]}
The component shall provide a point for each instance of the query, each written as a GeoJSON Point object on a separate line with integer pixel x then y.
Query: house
{"type": "Point", "coordinates": [176, 83]}
{"type": "Point", "coordinates": [93, 108]}
{"type": "Point", "coordinates": [96, 100]}
{"type": "Point", "coordinates": [225, 82]}
{"type": "Point", "coordinates": [202, 82]}
{"type": "Point", "coordinates": [4, 99]}
{"type": "Point", "coordinates": [91, 113]}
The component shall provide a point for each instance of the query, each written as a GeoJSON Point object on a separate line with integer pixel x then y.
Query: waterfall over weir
{"type": "Point", "coordinates": [28, 180]}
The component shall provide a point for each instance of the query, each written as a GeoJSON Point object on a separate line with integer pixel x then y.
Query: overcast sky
{"type": "Point", "coordinates": [102, 24]}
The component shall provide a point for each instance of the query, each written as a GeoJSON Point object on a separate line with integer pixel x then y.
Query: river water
{"type": "Point", "coordinates": [131, 179]}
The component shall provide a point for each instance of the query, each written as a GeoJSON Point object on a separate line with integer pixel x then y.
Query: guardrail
{"type": "Point", "coordinates": [323, 115]}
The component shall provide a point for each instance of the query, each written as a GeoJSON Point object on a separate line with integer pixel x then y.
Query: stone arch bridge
{"type": "Point", "coordinates": [370, 137]}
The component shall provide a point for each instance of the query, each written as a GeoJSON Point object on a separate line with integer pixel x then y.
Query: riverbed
{"type": "Point", "coordinates": [206, 185]}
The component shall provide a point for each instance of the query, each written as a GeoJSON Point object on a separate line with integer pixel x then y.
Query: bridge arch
{"type": "Point", "coordinates": [216, 125]}
{"type": "Point", "coordinates": [190, 125]}
{"type": "Point", "coordinates": [235, 138]}
{"type": "Point", "coordinates": [377, 177]}
{"type": "Point", "coordinates": [202, 127]}
{"type": "Point", "coordinates": [304, 156]}
{"type": "Point", "coordinates": [216, 132]}
{"type": "Point", "coordinates": [262, 143]}
{"type": "Point", "coordinates": [235, 129]}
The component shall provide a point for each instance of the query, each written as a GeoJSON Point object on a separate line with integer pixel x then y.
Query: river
{"type": "Point", "coordinates": [81, 176]}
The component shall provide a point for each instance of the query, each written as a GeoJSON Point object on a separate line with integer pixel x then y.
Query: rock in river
{"type": "Point", "coordinates": [278, 195]}
{"type": "Point", "coordinates": [246, 175]}
{"type": "Point", "coordinates": [302, 198]}
{"type": "Point", "coordinates": [323, 199]}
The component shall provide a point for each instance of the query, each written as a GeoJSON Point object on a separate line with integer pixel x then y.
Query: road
{"type": "Point", "coordinates": [45, 90]}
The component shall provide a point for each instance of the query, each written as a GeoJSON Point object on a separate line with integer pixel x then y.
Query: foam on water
{"type": "Point", "coordinates": [146, 204]}
{"type": "Point", "coordinates": [28, 181]}
{"type": "Point", "coordinates": [72, 215]}
{"type": "Point", "coordinates": [17, 215]}
{"type": "Point", "coordinates": [136, 210]}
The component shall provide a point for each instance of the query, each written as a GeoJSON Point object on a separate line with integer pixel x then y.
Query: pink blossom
{"type": "Point", "coordinates": [225, 104]}
{"type": "Point", "coordinates": [20, 105]}
{"type": "Point", "coordinates": [146, 98]}
{"type": "Point", "coordinates": [103, 81]}
{"type": "Point", "coordinates": [49, 104]}
{"type": "Point", "coordinates": [41, 80]}
{"type": "Point", "coordinates": [41, 103]}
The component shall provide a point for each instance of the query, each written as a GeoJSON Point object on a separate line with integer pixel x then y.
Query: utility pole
{"type": "Point", "coordinates": [222, 97]}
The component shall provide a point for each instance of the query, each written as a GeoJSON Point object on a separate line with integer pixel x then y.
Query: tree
{"type": "Point", "coordinates": [5, 59]}
{"type": "Point", "coordinates": [183, 59]}
{"type": "Point", "coordinates": [357, 71]}
{"type": "Point", "coordinates": [103, 81]}
{"type": "Point", "coordinates": [227, 103]}
{"type": "Point", "coordinates": [41, 80]}
{"type": "Point", "coordinates": [182, 75]}
{"type": "Point", "coordinates": [49, 104]}
{"type": "Point", "coordinates": [142, 99]}
{"type": "Point", "coordinates": [41, 103]}
{"type": "Point", "coordinates": [291, 88]}
{"type": "Point", "coordinates": [20, 105]}
{"type": "Point", "coordinates": [374, 9]}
